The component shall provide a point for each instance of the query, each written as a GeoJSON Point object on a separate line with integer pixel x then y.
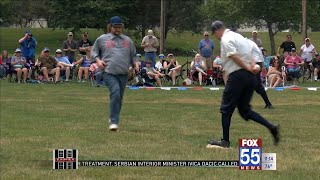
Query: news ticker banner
{"type": "Point", "coordinates": [250, 158]}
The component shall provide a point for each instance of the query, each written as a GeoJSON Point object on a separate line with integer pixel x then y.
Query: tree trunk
{"type": "Point", "coordinates": [271, 37]}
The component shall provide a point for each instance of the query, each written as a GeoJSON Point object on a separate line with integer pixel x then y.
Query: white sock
{"type": "Point", "coordinates": [316, 78]}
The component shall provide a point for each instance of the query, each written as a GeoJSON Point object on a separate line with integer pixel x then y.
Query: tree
{"type": "Point", "coordinates": [274, 15]}
{"type": "Point", "coordinates": [78, 14]}
{"type": "Point", "coordinates": [313, 14]}
{"type": "Point", "coordinates": [226, 11]}
{"type": "Point", "coordinates": [22, 12]}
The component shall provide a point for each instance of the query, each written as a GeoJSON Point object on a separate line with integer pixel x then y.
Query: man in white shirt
{"type": "Point", "coordinates": [150, 44]}
{"type": "Point", "coordinates": [236, 55]}
{"type": "Point", "coordinates": [258, 58]}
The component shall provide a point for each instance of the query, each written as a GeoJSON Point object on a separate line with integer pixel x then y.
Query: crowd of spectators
{"type": "Point", "coordinates": [74, 59]}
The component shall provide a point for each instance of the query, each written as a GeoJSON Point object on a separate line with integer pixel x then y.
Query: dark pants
{"type": "Point", "coordinates": [260, 89]}
{"type": "Point", "coordinates": [238, 93]}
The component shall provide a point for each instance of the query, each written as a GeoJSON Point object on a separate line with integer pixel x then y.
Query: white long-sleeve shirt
{"type": "Point", "coordinates": [234, 44]}
{"type": "Point", "coordinates": [256, 52]}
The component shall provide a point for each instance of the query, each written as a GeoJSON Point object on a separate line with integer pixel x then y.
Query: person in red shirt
{"type": "Point", "coordinates": [293, 63]}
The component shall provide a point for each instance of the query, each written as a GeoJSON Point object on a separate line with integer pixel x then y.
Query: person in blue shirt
{"type": "Point", "coordinates": [206, 47]}
{"type": "Point", "coordinates": [267, 59]}
{"type": "Point", "coordinates": [64, 63]}
{"type": "Point", "coordinates": [85, 63]}
{"type": "Point", "coordinates": [28, 46]}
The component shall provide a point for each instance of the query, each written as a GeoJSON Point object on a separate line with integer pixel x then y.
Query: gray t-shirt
{"type": "Point", "coordinates": [119, 53]}
{"type": "Point", "coordinates": [73, 45]}
{"type": "Point", "coordinates": [257, 41]}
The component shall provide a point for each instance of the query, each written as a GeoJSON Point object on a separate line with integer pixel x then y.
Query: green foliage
{"type": "Point", "coordinates": [22, 12]}
{"type": "Point", "coordinates": [226, 11]}
{"type": "Point", "coordinates": [78, 14]}
{"type": "Point", "coordinates": [313, 14]}
{"type": "Point", "coordinates": [262, 12]}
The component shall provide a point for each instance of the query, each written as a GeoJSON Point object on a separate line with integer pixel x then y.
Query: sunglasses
{"type": "Point", "coordinates": [70, 35]}
{"type": "Point", "coordinates": [58, 53]}
{"type": "Point", "coordinates": [206, 35]}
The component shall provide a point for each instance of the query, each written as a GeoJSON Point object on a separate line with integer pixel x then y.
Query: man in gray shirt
{"type": "Point", "coordinates": [256, 39]}
{"type": "Point", "coordinates": [114, 53]}
{"type": "Point", "coordinates": [70, 46]}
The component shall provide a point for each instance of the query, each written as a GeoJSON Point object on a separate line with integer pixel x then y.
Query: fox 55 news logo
{"type": "Point", "coordinates": [250, 152]}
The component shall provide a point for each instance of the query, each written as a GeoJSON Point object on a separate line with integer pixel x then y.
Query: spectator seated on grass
{"type": "Point", "coordinates": [198, 67]}
{"type": "Point", "coordinates": [48, 65]}
{"type": "Point", "coordinates": [159, 64]}
{"type": "Point", "coordinates": [64, 63]}
{"type": "Point", "coordinates": [6, 62]}
{"type": "Point", "coordinates": [84, 63]}
{"type": "Point", "coordinates": [293, 63]}
{"type": "Point", "coordinates": [97, 73]}
{"type": "Point", "coordinates": [275, 75]}
{"type": "Point", "coordinates": [316, 65]}
{"type": "Point", "coordinates": [19, 64]}
{"type": "Point", "coordinates": [173, 67]}
{"type": "Point", "coordinates": [152, 74]}
{"type": "Point", "coordinates": [267, 59]}
{"type": "Point", "coordinates": [217, 63]}
{"type": "Point", "coordinates": [139, 63]}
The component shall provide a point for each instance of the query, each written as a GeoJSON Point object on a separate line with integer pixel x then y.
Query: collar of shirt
{"type": "Point", "coordinates": [114, 36]}
{"type": "Point", "coordinates": [226, 31]}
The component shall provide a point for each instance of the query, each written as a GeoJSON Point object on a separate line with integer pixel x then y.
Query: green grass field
{"type": "Point", "coordinates": [155, 125]}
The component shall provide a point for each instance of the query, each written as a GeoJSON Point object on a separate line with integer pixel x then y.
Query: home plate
{"type": "Point", "coordinates": [216, 147]}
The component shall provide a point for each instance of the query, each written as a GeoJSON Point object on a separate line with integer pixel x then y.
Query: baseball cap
{"type": "Point", "coordinates": [148, 61]}
{"type": "Point", "coordinates": [17, 50]}
{"type": "Point", "coordinates": [138, 55]}
{"type": "Point", "coordinates": [58, 51]}
{"type": "Point", "coordinates": [116, 20]}
{"type": "Point", "coordinates": [150, 32]}
{"type": "Point", "coordinates": [255, 32]}
{"type": "Point", "coordinates": [317, 54]}
{"type": "Point", "coordinates": [216, 25]}
{"type": "Point", "coordinates": [293, 49]}
{"type": "Point", "coordinates": [70, 33]}
{"type": "Point", "coordinates": [170, 54]}
{"type": "Point", "coordinates": [307, 39]}
{"type": "Point", "coordinates": [85, 33]}
{"type": "Point", "coordinates": [46, 49]}
{"type": "Point", "coordinates": [161, 56]}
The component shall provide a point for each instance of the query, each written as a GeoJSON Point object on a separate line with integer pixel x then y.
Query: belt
{"type": "Point", "coordinates": [151, 52]}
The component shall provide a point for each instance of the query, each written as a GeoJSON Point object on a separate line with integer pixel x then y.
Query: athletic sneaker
{"type": "Point", "coordinates": [113, 127]}
{"type": "Point", "coordinates": [218, 143]}
{"type": "Point", "coordinates": [276, 135]}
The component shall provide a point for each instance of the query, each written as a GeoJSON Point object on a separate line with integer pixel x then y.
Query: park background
{"type": "Point", "coordinates": [158, 124]}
